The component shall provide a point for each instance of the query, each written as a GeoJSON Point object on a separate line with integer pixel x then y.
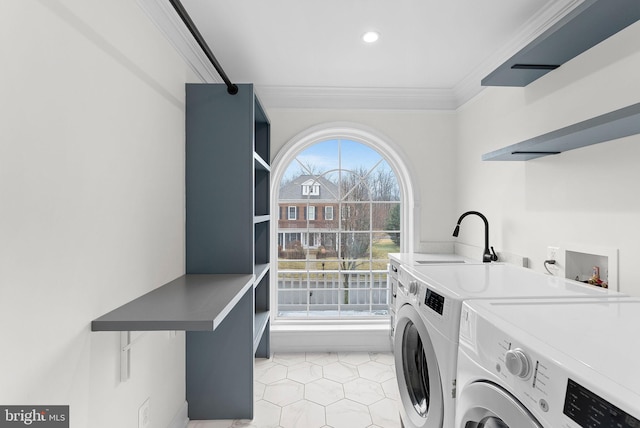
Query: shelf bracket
{"type": "Point", "coordinates": [126, 343]}
{"type": "Point", "coordinates": [527, 152]}
{"type": "Point", "coordinates": [534, 66]}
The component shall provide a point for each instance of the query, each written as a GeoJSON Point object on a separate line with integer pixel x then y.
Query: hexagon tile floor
{"type": "Point", "coordinates": [322, 390]}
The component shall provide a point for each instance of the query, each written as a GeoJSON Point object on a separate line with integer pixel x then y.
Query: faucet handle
{"type": "Point", "coordinates": [494, 256]}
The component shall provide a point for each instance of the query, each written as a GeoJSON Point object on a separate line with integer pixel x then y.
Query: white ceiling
{"type": "Point", "coordinates": [431, 53]}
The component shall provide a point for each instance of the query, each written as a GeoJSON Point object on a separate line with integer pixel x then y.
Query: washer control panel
{"type": "Point", "coordinates": [517, 363]}
{"type": "Point", "coordinates": [434, 306]}
{"type": "Point", "coordinates": [434, 300]}
{"type": "Point", "coordinates": [588, 409]}
{"type": "Point", "coordinates": [526, 372]}
{"type": "Point", "coordinates": [545, 387]}
{"type": "Point", "coordinates": [534, 379]}
{"type": "Point", "coordinates": [558, 388]}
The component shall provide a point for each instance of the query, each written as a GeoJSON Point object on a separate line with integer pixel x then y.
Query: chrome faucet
{"type": "Point", "coordinates": [487, 257]}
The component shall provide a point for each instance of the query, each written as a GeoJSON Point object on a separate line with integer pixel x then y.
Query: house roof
{"type": "Point", "coordinates": [292, 190]}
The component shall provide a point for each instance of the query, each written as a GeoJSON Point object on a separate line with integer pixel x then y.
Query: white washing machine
{"type": "Point", "coordinates": [429, 301]}
{"type": "Point", "coordinates": [414, 259]}
{"type": "Point", "coordinates": [561, 363]}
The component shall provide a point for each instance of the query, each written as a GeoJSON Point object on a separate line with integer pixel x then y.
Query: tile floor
{"type": "Point", "coordinates": [322, 390]}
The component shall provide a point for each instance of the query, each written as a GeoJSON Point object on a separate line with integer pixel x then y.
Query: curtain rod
{"type": "Point", "coordinates": [179, 8]}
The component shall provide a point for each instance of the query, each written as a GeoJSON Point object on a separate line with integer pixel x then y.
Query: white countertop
{"type": "Point", "coordinates": [417, 259]}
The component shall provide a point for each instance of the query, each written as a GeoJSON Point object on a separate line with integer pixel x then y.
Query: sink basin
{"type": "Point", "coordinates": [438, 262]}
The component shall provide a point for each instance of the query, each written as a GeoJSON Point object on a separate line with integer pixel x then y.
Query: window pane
{"type": "Point", "coordinates": [292, 265]}
{"type": "Point", "coordinates": [384, 185]}
{"type": "Point", "coordinates": [337, 202]}
{"type": "Point", "coordinates": [386, 216]}
{"type": "Point", "coordinates": [383, 244]}
{"type": "Point", "coordinates": [355, 216]}
{"type": "Point", "coordinates": [355, 185]}
{"type": "Point", "coordinates": [355, 156]}
{"type": "Point", "coordinates": [355, 245]}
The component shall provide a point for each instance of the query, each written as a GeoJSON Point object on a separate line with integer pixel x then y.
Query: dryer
{"type": "Point", "coordinates": [550, 363]}
{"type": "Point", "coordinates": [429, 300]}
{"type": "Point", "coordinates": [413, 259]}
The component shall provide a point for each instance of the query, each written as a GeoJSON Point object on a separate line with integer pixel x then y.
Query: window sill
{"type": "Point", "coordinates": [301, 325]}
{"type": "Point", "coordinates": [355, 336]}
{"type": "Point", "coordinates": [330, 324]}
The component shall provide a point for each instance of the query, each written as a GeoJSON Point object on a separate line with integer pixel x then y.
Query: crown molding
{"type": "Point", "coordinates": [162, 14]}
{"type": "Point", "coordinates": [167, 20]}
{"type": "Point", "coordinates": [355, 98]}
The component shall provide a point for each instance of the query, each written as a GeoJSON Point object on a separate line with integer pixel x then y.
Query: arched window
{"type": "Point", "coordinates": [340, 210]}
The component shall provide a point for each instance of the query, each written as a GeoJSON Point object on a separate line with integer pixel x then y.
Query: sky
{"type": "Point", "coordinates": [325, 156]}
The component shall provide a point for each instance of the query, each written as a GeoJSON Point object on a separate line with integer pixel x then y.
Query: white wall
{"type": "Point", "coordinates": [584, 197]}
{"type": "Point", "coordinates": [92, 205]}
{"type": "Point", "coordinates": [426, 141]}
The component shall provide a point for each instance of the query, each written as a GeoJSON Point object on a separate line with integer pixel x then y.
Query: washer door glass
{"type": "Point", "coordinates": [416, 372]}
{"type": "Point", "coordinates": [487, 405]}
{"type": "Point", "coordinates": [488, 422]}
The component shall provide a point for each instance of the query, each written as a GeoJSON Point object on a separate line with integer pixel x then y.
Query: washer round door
{"type": "Point", "coordinates": [486, 405]}
{"type": "Point", "coordinates": [417, 372]}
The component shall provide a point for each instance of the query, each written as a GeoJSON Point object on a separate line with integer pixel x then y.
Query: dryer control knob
{"type": "Point", "coordinates": [517, 363]}
{"type": "Point", "coordinates": [413, 288]}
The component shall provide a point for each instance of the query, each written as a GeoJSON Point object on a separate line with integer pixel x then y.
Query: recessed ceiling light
{"type": "Point", "coordinates": [370, 36]}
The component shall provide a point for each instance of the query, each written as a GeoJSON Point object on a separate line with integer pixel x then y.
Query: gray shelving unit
{"type": "Point", "coordinates": [610, 126]}
{"type": "Point", "coordinates": [227, 228]}
{"type": "Point", "coordinates": [223, 300]}
{"type": "Point", "coordinates": [584, 27]}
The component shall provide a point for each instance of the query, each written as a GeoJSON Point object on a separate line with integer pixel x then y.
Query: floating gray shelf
{"type": "Point", "coordinates": [584, 27]}
{"type": "Point", "coordinates": [261, 320]}
{"type": "Point", "coordinates": [189, 303]}
{"type": "Point", "coordinates": [260, 271]}
{"type": "Point", "coordinates": [610, 126]}
{"type": "Point", "coordinates": [261, 218]}
{"type": "Point", "coordinates": [260, 163]}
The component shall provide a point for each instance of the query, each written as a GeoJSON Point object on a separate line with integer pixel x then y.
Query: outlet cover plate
{"type": "Point", "coordinates": [143, 415]}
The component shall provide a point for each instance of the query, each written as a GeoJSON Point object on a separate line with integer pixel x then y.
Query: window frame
{"type": "Point", "coordinates": [397, 160]}
{"type": "Point", "coordinates": [311, 189]}
{"type": "Point", "coordinates": [327, 209]}
{"type": "Point", "coordinates": [295, 212]}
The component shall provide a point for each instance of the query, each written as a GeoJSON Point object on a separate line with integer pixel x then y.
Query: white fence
{"type": "Point", "coordinates": [332, 293]}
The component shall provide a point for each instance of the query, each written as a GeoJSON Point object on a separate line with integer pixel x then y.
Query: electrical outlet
{"type": "Point", "coordinates": [552, 254]}
{"type": "Point", "coordinates": [143, 415]}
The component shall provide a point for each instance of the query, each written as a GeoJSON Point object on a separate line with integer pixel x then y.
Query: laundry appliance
{"type": "Point", "coordinates": [414, 259]}
{"type": "Point", "coordinates": [549, 363]}
{"type": "Point", "coordinates": [429, 302]}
